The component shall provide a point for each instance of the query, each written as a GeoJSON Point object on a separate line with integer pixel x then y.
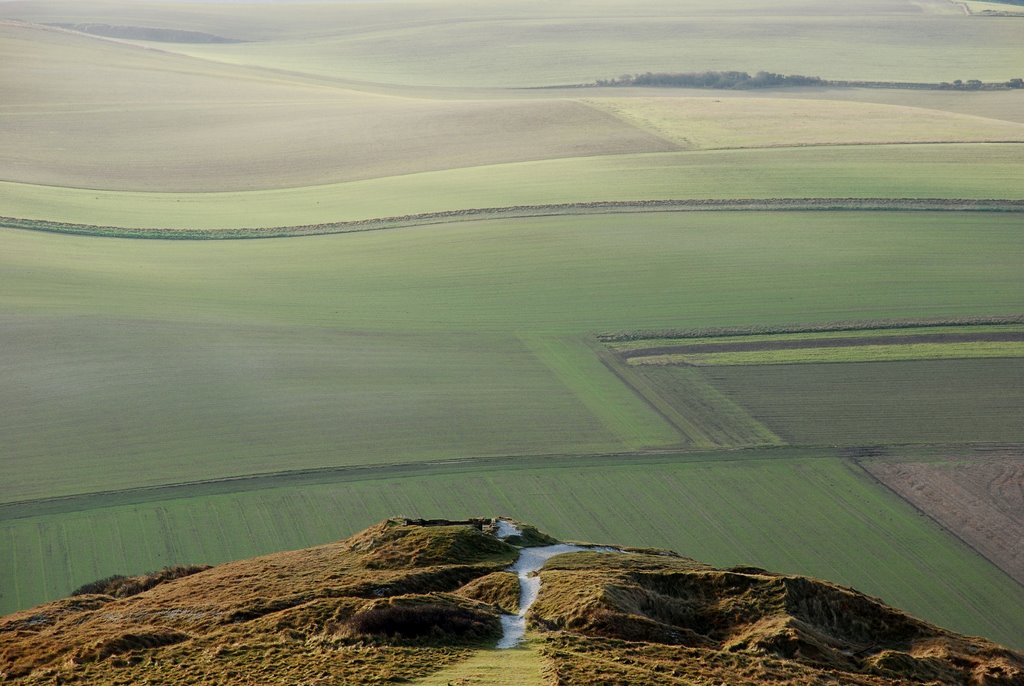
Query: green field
{"type": "Point", "coordinates": [721, 511]}
{"type": "Point", "coordinates": [298, 353]}
{"type": "Point", "coordinates": [920, 171]}
{"type": "Point", "coordinates": [874, 403]}
{"type": "Point", "coordinates": [240, 399]}
{"type": "Point", "coordinates": [704, 417]}
{"type": "Point", "coordinates": [180, 401]}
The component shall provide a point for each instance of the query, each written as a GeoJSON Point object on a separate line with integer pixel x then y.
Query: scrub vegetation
{"type": "Point", "coordinates": [343, 613]}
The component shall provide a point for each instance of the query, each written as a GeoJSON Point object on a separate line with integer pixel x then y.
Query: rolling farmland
{"type": "Point", "coordinates": [440, 44]}
{"type": "Point", "coordinates": [871, 387]}
{"type": "Point", "coordinates": [281, 385]}
{"type": "Point", "coordinates": [951, 171]}
{"type": "Point", "coordinates": [231, 334]}
{"type": "Point", "coordinates": [513, 346]}
{"type": "Point", "coordinates": [179, 125]}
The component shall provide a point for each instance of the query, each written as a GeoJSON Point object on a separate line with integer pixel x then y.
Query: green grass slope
{"type": "Point", "coordinates": [918, 171]}
{"type": "Point", "coordinates": [405, 345]}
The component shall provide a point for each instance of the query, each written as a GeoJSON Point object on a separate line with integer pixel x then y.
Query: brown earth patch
{"type": "Point", "coordinates": [892, 339]}
{"type": "Point", "coordinates": [980, 500]}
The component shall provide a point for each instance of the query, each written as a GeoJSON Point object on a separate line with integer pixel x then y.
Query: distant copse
{"type": "Point", "coordinates": [741, 80]}
{"type": "Point", "coordinates": [713, 79]}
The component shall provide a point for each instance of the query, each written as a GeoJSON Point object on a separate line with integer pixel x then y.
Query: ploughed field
{"type": "Point", "coordinates": [758, 327]}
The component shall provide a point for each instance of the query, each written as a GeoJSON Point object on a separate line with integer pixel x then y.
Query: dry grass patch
{"type": "Point", "coordinates": [334, 612]}
{"type": "Point", "coordinates": [647, 619]}
{"type": "Point", "coordinates": [500, 589]}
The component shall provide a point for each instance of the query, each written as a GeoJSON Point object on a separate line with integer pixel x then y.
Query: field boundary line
{"type": "Point", "coordinates": [525, 211]}
{"type": "Point", "coordinates": [801, 343]}
{"type": "Point", "coordinates": [687, 431]}
{"type": "Point", "coordinates": [556, 353]}
{"type": "Point", "coordinates": [641, 335]}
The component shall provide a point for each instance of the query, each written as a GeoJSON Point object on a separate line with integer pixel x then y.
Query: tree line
{"type": "Point", "coordinates": [713, 79]}
{"type": "Point", "coordinates": [741, 80]}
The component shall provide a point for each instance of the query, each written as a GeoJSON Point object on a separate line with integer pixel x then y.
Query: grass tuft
{"type": "Point", "coordinates": [426, 618]}
{"type": "Point", "coordinates": [121, 586]}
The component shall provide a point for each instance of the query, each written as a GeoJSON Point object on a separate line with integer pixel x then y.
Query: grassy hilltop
{"type": "Point", "coordinates": [544, 301]}
{"type": "Point", "coordinates": [419, 602]}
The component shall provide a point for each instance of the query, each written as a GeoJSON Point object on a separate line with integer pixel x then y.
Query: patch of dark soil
{"type": "Point", "coordinates": [809, 343]}
{"type": "Point", "coordinates": [805, 328]}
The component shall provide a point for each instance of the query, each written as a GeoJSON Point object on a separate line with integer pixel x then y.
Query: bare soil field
{"type": "Point", "coordinates": [981, 500]}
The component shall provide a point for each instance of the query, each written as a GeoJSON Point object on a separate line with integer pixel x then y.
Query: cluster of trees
{"type": "Point", "coordinates": [976, 85]}
{"type": "Point", "coordinates": [714, 79]}
{"type": "Point", "coordinates": [739, 80]}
